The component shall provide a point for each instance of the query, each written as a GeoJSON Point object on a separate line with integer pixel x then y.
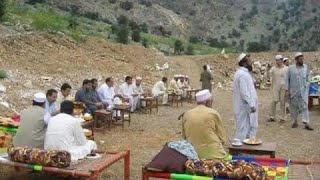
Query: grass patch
{"type": "Point", "coordinates": [3, 74]}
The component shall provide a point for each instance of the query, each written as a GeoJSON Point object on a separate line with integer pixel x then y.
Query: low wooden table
{"type": "Point", "coordinates": [151, 102]}
{"type": "Point", "coordinates": [189, 94]}
{"type": "Point", "coordinates": [263, 149]}
{"type": "Point", "coordinates": [175, 98]}
{"type": "Point", "coordinates": [124, 109]}
{"type": "Point", "coordinates": [105, 116]}
{"type": "Point", "coordinates": [311, 97]}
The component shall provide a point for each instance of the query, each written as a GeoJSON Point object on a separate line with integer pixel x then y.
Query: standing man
{"type": "Point", "coordinates": [286, 62]}
{"type": "Point", "coordinates": [245, 100]}
{"type": "Point", "coordinates": [51, 104]}
{"type": "Point", "coordinates": [297, 88]}
{"type": "Point", "coordinates": [159, 89]}
{"type": "Point", "coordinates": [206, 78]}
{"type": "Point", "coordinates": [126, 90]}
{"type": "Point", "coordinates": [278, 80]}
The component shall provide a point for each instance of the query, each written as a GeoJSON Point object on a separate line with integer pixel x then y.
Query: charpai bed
{"type": "Point", "coordinates": [276, 169]}
{"type": "Point", "coordinates": [87, 168]}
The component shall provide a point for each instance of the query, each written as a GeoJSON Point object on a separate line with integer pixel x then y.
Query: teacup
{"type": "Point", "coordinates": [236, 141]}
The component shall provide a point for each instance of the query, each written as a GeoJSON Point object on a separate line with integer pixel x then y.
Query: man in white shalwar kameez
{"type": "Point", "coordinates": [297, 89]}
{"type": "Point", "coordinates": [245, 100]}
{"type": "Point", "coordinates": [159, 90]}
{"type": "Point", "coordinates": [64, 132]}
{"type": "Point", "coordinates": [107, 95]}
{"type": "Point", "coordinates": [181, 86]}
{"type": "Point", "coordinates": [138, 89]}
{"type": "Point", "coordinates": [126, 90]}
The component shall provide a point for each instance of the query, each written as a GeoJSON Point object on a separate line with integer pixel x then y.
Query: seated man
{"type": "Point", "coordinates": [173, 85]}
{"type": "Point", "coordinates": [94, 90]}
{"type": "Point", "coordinates": [107, 95]}
{"type": "Point", "coordinates": [159, 89]}
{"type": "Point", "coordinates": [126, 90]}
{"type": "Point", "coordinates": [32, 129]}
{"type": "Point", "coordinates": [180, 84]}
{"type": "Point", "coordinates": [138, 89]}
{"type": "Point", "coordinates": [85, 96]}
{"type": "Point", "coordinates": [64, 94]}
{"type": "Point", "coordinates": [65, 133]}
{"type": "Point", "coordinates": [186, 82]}
{"type": "Point", "coordinates": [51, 104]}
{"type": "Point", "coordinates": [202, 126]}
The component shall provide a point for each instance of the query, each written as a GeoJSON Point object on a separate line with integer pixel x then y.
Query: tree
{"type": "Point", "coordinates": [3, 4]}
{"type": "Point", "coordinates": [135, 36]}
{"type": "Point", "coordinates": [194, 39]}
{"type": "Point", "coordinates": [256, 47]}
{"type": "Point", "coordinates": [190, 50]}
{"type": "Point", "coordinates": [178, 47]}
{"type": "Point", "coordinates": [112, 1]}
{"type": "Point", "coordinates": [126, 5]}
{"type": "Point", "coordinates": [134, 25]}
{"type": "Point", "coordinates": [122, 20]}
{"type": "Point", "coordinates": [144, 28]}
{"type": "Point", "coordinates": [122, 34]}
{"type": "Point", "coordinates": [35, 1]}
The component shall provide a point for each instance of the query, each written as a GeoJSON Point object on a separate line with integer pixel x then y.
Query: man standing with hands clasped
{"type": "Point", "coordinates": [297, 89]}
{"type": "Point", "coordinates": [245, 100]}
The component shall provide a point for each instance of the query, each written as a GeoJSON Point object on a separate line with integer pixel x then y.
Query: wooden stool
{"type": "Point", "coordinates": [189, 94]}
{"type": "Point", "coordinates": [151, 102]}
{"type": "Point", "coordinates": [123, 109]}
{"type": "Point", "coordinates": [310, 100]}
{"type": "Point", "coordinates": [175, 98]}
{"type": "Point", "coordinates": [263, 149]}
{"type": "Point", "coordinates": [104, 116]}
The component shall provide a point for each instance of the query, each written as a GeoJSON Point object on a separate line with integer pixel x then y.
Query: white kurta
{"type": "Point", "coordinates": [245, 97]}
{"type": "Point", "coordinates": [107, 94]}
{"type": "Point", "coordinates": [64, 132]}
{"type": "Point", "coordinates": [139, 90]}
{"type": "Point", "coordinates": [181, 87]}
{"type": "Point", "coordinates": [127, 91]}
{"type": "Point", "coordinates": [159, 90]}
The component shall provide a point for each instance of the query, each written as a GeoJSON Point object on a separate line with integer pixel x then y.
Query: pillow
{"type": "Point", "coordinates": [40, 157]}
{"type": "Point", "coordinates": [168, 160]}
{"type": "Point", "coordinates": [185, 148]}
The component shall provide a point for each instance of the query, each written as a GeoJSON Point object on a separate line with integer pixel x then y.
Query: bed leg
{"type": "Point", "coordinates": [144, 174]}
{"type": "Point", "coordinates": [94, 177]}
{"type": "Point", "coordinates": [127, 166]}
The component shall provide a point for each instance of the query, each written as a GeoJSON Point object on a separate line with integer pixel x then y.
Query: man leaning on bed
{"type": "Point", "coordinates": [202, 126]}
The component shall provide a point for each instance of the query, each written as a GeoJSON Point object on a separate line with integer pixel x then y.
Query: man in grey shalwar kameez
{"type": "Point", "coordinates": [297, 87]}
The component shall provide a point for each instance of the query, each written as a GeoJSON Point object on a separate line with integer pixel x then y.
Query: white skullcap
{"type": "Point", "coordinates": [284, 59]}
{"type": "Point", "coordinates": [39, 97]}
{"type": "Point", "coordinates": [203, 95]}
{"type": "Point", "coordinates": [186, 76]}
{"type": "Point", "coordinates": [298, 54]}
{"type": "Point", "coordinates": [279, 57]}
{"type": "Point", "coordinates": [241, 56]}
{"type": "Point", "coordinates": [138, 78]}
{"type": "Point", "coordinates": [176, 76]}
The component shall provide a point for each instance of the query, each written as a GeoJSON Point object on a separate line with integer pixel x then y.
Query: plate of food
{"type": "Point", "coordinates": [252, 141]}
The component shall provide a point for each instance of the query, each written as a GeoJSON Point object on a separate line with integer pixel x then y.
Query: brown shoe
{"type": "Point", "coordinates": [294, 125]}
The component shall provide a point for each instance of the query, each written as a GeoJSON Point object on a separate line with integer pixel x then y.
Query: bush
{"type": "Point", "coordinates": [256, 47]}
{"type": "Point", "coordinates": [145, 42]}
{"type": "Point", "coordinates": [194, 39]}
{"type": "Point", "coordinates": [135, 36]}
{"type": "Point", "coordinates": [73, 23]}
{"type": "Point", "coordinates": [126, 5]}
{"type": "Point", "coordinates": [144, 28]}
{"type": "Point", "coordinates": [49, 19]}
{"type": "Point", "coordinates": [114, 29]}
{"type": "Point", "coordinates": [92, 15]}
{"type": "Point", "coordinates": [3, 4]}
{"type": "Point", "coordinates": [146, 3]}
{"type": "Point", "coordinates": [190, 50]}
{"type": "Point", "coordinates": [178, 47]}
{"type": "Point", "coordinates": [122, 20]}
{"type": "Point", "coordinates": [35, 1]}
{"type": "Point", "coordinates": [3, 74]}
{"type": "Point", "coordinates": [133, 25]}
{"type": "Point", "coordinates": [122, 34]}
{"type": "Point", "coordinates": [112, 1]}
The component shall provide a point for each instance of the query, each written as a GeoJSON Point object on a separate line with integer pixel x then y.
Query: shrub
{"type": "Point", "coordinates": [92, 15]}
{"type": "Point", "coordinates": [112, 1]}
{"type": "Point", "coordinates": [49, 19]}
{"type": "Point", "coordinates": [194, 39]}
{"type": "Point", "coordinates": [126, 5]}
{"type": "Point", "coordinates": [35, 1]}
{"type": "Point", "coordinates": [122, 34]}
{"type": "Point", "coordinates": [114, 29]}
{"type": "Point", "coordinates": [178, 47]}
{"type": "Point", "coordinates": [256, 47]}
{"type": "Point", "coordinates": [144, 28]}
{"type": "Point", "coordinates": [135, 36]}
{"type": "Point", "coordinates": [145, 42]}
{"type": "Point", "coordinates": [133, 25]}
{"type": "Point", "coordinates": [122, 20]}
{"type": "Point", "coordinates": [73, 23]}
{"type": "Point", "coordinates": [3, 74]}
{"type": "Point", "coordinates": [190, 50]}
{"type": "Point", "coordinates": [3, 4]}
{"type": "Point", "coordinates": [146, 3]}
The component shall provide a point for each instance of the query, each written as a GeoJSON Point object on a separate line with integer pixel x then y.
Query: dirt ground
{"type": "Point", "coordinates": [148, 133]}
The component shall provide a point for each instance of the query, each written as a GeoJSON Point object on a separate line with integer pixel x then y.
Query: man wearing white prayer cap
{"type": "Point", "coordinates": [297, 90]}
{"type": "Point", "coordinates": [138, 89]}
{"type": "Point", "coordinates": [173, 85]}
{"type": "Point", "coordinates": [245, 100]}
{"type": "Point", "coordinates": [33, 124]}
{"type": "Point", "coordinates": [286, 61]}
{"type": "Point", "coordinates": [203, 127]}
{"type": "Point", "coordinates": [278, 75]}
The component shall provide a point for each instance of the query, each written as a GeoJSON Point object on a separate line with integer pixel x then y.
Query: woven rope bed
{"type": "Point", "coordinates": [87, 168]}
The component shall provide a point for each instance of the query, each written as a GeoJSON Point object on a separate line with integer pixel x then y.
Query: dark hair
{"type": "Point", "coordinates": [164, 79]}
{"type": "Point", "coordinates": [67, 107]}
{"type": "Point", "coordinates": [204, 67]}
{"type": "Point", "coordinates": [108, 79]}
{"type": "Point", "coordinates": [65, 86]}
{"type": "Point", "coordinates": [86, 81]}
{"type": "Point", "coordinates": [50, 92]}
{"type": "Point", "coordinates": [34, 103]}
{"type": "Point", "coordinates": [243, 61]}
{"type": "Point", "coordinates": [128, 78]}
{"type": "Point", "coordinates": [94, 80]}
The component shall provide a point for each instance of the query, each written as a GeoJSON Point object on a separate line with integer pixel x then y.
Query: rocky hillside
{"type": "Point", "coordinates": [284, 25]}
